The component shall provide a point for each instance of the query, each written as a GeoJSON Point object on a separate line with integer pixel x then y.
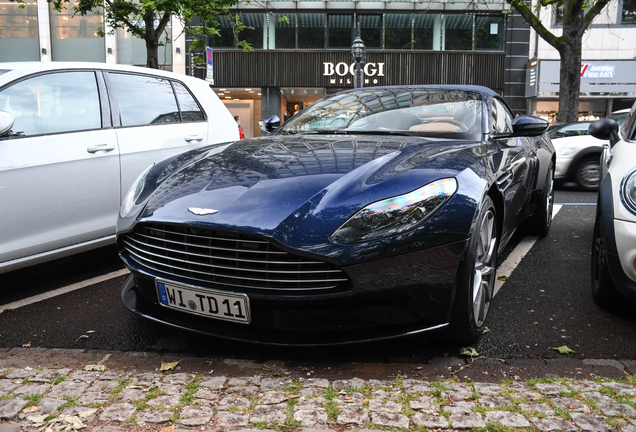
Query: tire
{"type": "Point", "coordinates": [476, 278]}
{"type": "Point", "coordinates": [603, 289]}
{"type": "Point", "coordinates": [539, 224]}
{"type": "Point", "coordinates": [588, 173]}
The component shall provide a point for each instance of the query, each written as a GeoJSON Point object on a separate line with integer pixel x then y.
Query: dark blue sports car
{"type": "Point", "coordinates": [372, 214]}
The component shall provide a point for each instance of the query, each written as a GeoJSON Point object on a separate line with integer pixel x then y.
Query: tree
{"type": "Point", "coordinates": [147, 19]}
{"type": "Point", "coordinates": [577, 17]}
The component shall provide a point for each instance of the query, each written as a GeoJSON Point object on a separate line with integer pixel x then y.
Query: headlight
{"type": "Point", "coordinates": [628, 191]}
{"type": "Point", "coordinates": [395, 215]}
{"type": "Point", "coordinates": [133, 193]}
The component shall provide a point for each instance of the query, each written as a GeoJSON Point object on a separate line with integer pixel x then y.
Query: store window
{"type": "Point", "coordinates": [371, 28]}
{"type": "Point", "coordinates": [254, 32]}
{"type": "Point", "coordinates": [284, 31]}
{"type": "Point", "coordinates": [311, 30]}
{"type": "Point", "coordinates": [132, 51]}
{"type": "Point", "coordinates": [340, 30]}
{"type": "Point", "coordinates": [225, 39]}
{"type": "Point", "coordinates": [489, 32]}
{"type": "Point", "coordinates": [19, 32]}
{"type": "Point", "coordinates": [76, 37]}
{"type": "Point", "coordinates": [424, 31]}
{"type": "Point", "coordinates": [628, 8]}
{"type": "Point", "coordinates": [397, 31]}
{"type": "Point", "coordinates": [458, 31]}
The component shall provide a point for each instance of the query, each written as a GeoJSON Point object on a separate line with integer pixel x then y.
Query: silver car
{"type": "Point", "coordinates": [74, 137]}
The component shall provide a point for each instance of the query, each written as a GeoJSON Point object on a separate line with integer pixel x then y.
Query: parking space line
{"type": "Point", "coordinates": [63, 290]}
{"type": "Point", "coordinates": [507, 267]}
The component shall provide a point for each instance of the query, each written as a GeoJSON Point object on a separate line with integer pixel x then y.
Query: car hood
{"type": "Point", "coordinates": [279, 185]}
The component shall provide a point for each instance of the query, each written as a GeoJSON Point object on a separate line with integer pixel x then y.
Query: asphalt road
{"type": "Point", "coordinates": [545, 303]}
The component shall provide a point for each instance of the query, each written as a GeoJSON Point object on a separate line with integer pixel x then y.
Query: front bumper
{"type": "Point", "coordinates": [387, 298]}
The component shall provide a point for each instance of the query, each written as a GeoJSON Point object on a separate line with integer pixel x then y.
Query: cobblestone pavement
{"type": "Point", "coordinates": [100, 399]}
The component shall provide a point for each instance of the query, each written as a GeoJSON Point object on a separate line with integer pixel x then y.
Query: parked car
{"type": "Point", "coordinates": [614, 244]}
{"type": "Point", "coordinates": [74, 138]}
{"type": "Point", "coordinates": [374, 213]}
{"type": "Point", "coordinates": [578, 152]}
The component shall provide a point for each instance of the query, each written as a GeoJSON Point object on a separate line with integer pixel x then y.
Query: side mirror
{"type": "Point", "coordinates": [529, 125]}
{"type": "Point", "coordinates": [6, 122]}
{"type": "Point", "coordinates": [270, 124]}
{"type": "Point", "coordinates": [606, 129]}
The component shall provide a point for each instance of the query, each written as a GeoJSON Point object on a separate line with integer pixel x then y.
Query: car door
{"type": "Point", "coordinates": [155, 118]}
{"type": "Point", "coordinates": [59, 165]}
{"type": "Point", "coordinates": [518, 164]}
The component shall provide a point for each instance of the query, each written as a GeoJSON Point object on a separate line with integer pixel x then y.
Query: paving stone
{"type": "Point", "coordinates": [273, 398]}
{"type": "Point", "coordinates": [198, 416]}
{"type": "Point", "coordinates": [616, 409]}
{"type": "Point", "coordinates": [351, 398]}
{"type": "Point", "coordinates": [22, 373]}
{"type": "Point", "coordinates": [242, 391]}
{"type": "Point", "coordinates": [10, 427]}
{"type": "Point", "coordinates": [487, 388]}
{"type": "Point", "coordinates": [131, 395]}
{"type": "Point", "coordinates": [430, 421]}
{"type": "Point", "coordinates": [596, 396]}
{"type": "Point", "coordinates": [229, 402]}
{"type": "Point", "coordinates": [68, 388]}
{"type": "Point", "coordinates": [380, 384]}
{"type": "Point", "coordinates": [86, 414]}
{"type": "Point", "coordinates": [621, 388]}
{"type": "Point", "coordinates": [311, 418]}
{"type": "Point", "coordinates": [571, 405]}
{"type": "Point", "coordinates": [215, 383]}
{"type": "Point", "coordinates": [275, 383]}
{"type": "Point", "coordinates": [207, 395]}
{"type": "Point", "coordinates": [467, 421]}
{"type": "Point", "coordinates": [172, 389]}
{"type": "Point", "coordinates": [270, 414]}
{"type": "Point", "coordinates": [493, 401]}
{"type": "Point", "coordinates": [353, 415]}
{"type": "Point", "coordinates": [459, 407]}
{"type": "Point", "coordinates": [49, 405]}
{"type": "Point", "coordinates": [115, 376]}
{"type": "Point", "coordinates": [164, 401]}
{"type": "Point", "coordinates": [629, 427]}
{"type": "Point", "coordinates": [48, 375]}
{"type": "Point", "coordinates": [391, 420]}
{"type": "Point", "coordinates": [311, 391]}
{"type": "Point", "coordinates": [7, 385]}
{"type": "Point", "coordinates": [383, 394]}
{"type": "Point", "coordinates": [355, 383]}
{"type": "Point", "coordinates": [590, 422]}
{"type": "Point", "coordinates": [315, 403]}
{"type": "Point", "coordinates": [118, 412]}
{"type": "Point", "coordinates": [553, 423]}
{"type": "Point", "coordinates": [542, 408]}
{"type": "Point", "coordinates": [33, 389]}
{"type": "Point", "coordinates": [86, 376]}
{"type": "Point", "coordinates": [457, 395]}
{"type": "Point", "coordinates": [385, 406]}
{"type": "Point", "coordinates": [529, 395]}
{"type": "Point", "coordinates": [108, 429]}
{"type": "Point", "coordinates": [552, 389]}
{"type": "Point", "coordinates": [519, 386]}
{"type": "Point", "coordinates": [146, 379]}
{"type": "Point", "coordinates": [232, 420]}
{"type": "Point", "coordinates": [102, 386]}
{"type": "Point", "coordinates": [9, 408]}
{"type": "Point", "coordinates": [584, 385]}
{"type": "Point", "coordinates": [315, 382]}
{"type": "Point", "coordinates": [178, 378]}
{"type": "Point", "coordinates": [426, 404]}
{"type": "Point", "coordinates": [90, 398]}
{"type": "Point", "coordinates": [153, 417]}
{"type": "Point", "coordinates": [507, 418]}
{"type": "Point", "coordinates": [413, 386]}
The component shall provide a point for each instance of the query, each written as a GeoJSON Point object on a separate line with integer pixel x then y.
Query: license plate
{"type": "Point", "coordinates": [199, 301]}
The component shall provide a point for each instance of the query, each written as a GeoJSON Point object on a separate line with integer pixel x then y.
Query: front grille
{"type": "Point", "coordinates": [226, 258]}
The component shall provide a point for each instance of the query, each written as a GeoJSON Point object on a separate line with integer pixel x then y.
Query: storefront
{"type": "Point", "coordinates": [606, 86]}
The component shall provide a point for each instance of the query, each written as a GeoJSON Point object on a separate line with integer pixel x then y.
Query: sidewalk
{"type": "Point", "coordinates": [98, 391]}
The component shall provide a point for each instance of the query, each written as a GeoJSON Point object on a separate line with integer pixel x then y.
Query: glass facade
{"type": "Point", "coordinates": [132, 51]}
{"type": "Point", "coordinates": [76, 37]}
{"type": "Point", "coordinates": [19, 31]}
{"type": "Point", "coordinates": [628, 11]}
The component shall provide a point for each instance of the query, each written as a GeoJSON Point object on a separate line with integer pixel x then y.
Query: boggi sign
{"type": "Point", "coordinates": [342, 70]}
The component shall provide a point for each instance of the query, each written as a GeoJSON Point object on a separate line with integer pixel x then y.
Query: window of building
{"type": "Point", "coordinates": [489, 31]}
{"type": "Point", "coordinates": [628, 11]}
{"type": "Point", "coordinates": [424, 31]}
{"type": "Point", "coordinates": [340, 30]}
{"type": "Point", "coordinates": [144, 100]}
{"type": "Point", "coordinates": [371, 28]}
{"type": "Point", "coordinates": [254, 33]}
{"type": "Point", "coordinates": [397, 31]}
{"type": "Point", "coordinates": [57, 102]}
{"type": "Point", "coordinates": [19, 32]}
{"type": "Point", "coordinates": [132, 51]}
{"type": "Point", "coordinates": [311, 30]}
{"type": "Point", "coordinates": [458, 31]}
{"type": "Point", "coordinates": [225, 39]}
{"type": "Point", "coordinates": [75, 37]}
{"type": "Point", "coordinates": [284, 31]}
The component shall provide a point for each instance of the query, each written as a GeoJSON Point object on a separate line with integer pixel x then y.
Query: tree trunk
{"type": "Point", "coordinates": [152, 40]}
{"type": "Point", "coordinates": [152, 54]}
{"type": "Point", "coordinates": [570, 76]}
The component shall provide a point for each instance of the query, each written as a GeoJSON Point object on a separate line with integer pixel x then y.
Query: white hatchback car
{"type": "Point", "coordinates": [74, 138]}
{"type": "Point", "coordinates": [614, 246]}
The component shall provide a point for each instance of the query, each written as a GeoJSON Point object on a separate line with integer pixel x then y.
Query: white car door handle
{"type": "Point", "coordinates": [191, 138]}
{"type": "Point", "coordinates": [100, 147]}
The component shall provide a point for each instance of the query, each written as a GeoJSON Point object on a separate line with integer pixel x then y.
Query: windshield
{"type": "Point", "coordinates": [423, 111]}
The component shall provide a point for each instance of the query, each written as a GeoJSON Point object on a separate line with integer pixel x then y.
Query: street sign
{"type": "Point", "coordinates": [209, 76]}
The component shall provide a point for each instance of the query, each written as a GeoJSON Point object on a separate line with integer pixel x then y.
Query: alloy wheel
{"type": "Point", "coordinates": [485, 256]}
